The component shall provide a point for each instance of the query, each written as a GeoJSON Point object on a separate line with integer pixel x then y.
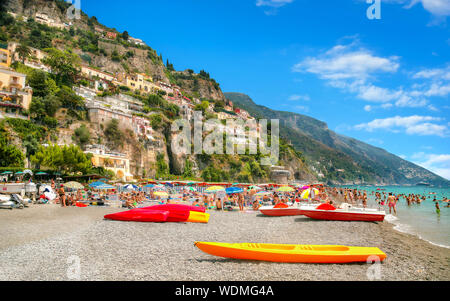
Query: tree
{"type": "Point", "coordinates": [113, 134]}
{"type": "Point", "coordinates": [23, 52]}
{"type": "Point", "coordinates": [10, 155]}
{"type": "Point", "coordinates": [69, 99]}
{"type": "Point", "coordinates": [31, 144]}
{"type": "Point", "coordinates": [63, 64]}
{"type": "Point", "coordinates": [125, 35]}
{"type": "Point", "coordinates": [41, 83]}
{"type": "Point", "coordinates": [66, 159]}
{"type": "Point", "coordinates": [162, 169]}
{"type": "Point", "coordinates": [82, 136]}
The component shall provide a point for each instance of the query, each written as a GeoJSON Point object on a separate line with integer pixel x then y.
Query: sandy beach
{"type": "Point", "coordinates": [38, 243]}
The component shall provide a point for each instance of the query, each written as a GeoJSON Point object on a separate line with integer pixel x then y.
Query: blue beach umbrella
{"type": "Point", "coordinates": [130, 187]}
{"type": "Point", "coordinates": [232, 190]}
{"type": "Point", "coordinates": [104, 187]}
{"type": "Point", "coordinates": [95, 184]}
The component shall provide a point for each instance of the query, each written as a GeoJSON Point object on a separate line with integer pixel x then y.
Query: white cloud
{"type": "Point", "coordinates": [343, 63]}
{"type": "Point", "coordinates": [297, 97]}
{"type": "Point", "coordinates": [436, 73]}
{"type": "Point", "coordinates": [437, 163]}
{"type": "Point", "coordinates": [368, 108]}
{"type": "Point", "coordinates": [438, 8]}
{"type": "Point", "coordinates": [411, 125]}
{"type": "Point", "coordinates": [354, 69]}
{"type": "Point", "coordinates": [273, 3]}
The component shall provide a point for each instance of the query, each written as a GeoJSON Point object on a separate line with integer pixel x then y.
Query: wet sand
{"type": "Point", "coordinates": [41, 242]}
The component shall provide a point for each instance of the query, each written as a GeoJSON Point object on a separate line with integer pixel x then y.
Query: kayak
{"type": "Point", "coordinates": [272, 211]}
{"type": "Point", "coordinates": [148, 216]}
{"type": "Point", "coordinates": [282, 211]}
{"type": "Point", "coordinates": [292, 253]}
{"type": "Point", "coordinates": [348, 214]}
{"type": "Point", "coordinates": [198, 217]}
{"type": "Point", "coordinates": [176, 207]}
{"type": "Point", "coordinates": [174, 216]}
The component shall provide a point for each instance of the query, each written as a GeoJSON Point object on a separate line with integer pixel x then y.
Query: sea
{"type": "Point", "coordinates": [422, 219]}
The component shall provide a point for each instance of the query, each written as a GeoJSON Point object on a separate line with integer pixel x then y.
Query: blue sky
{"type": "Point", "coordinates": [383, 81]}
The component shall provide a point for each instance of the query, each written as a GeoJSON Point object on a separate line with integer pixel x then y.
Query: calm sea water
{"type": "Point", "coordinates": [418, 219]}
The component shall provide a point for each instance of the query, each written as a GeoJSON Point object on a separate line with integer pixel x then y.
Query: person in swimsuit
{"type": "Point", "coordinates": [392, 202]}
{"type": "Point", "coordinates": [438, 208]}
{"type": "Point", "coordinates": [62, 196]}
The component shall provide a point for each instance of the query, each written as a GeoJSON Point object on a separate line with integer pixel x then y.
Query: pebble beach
{"type": "Point", "coordinates": [41, 242]}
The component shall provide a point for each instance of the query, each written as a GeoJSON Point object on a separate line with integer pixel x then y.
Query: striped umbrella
{"type": "Point", "coordinates": [285, 189]}
{"type": "Point", "coordinates": [161, 194]}
{"type": "Point", "coordinates": [74, 185]}
{"type": "Point", "coordinates": [306, 194]}
{"type": "Point", "coordinates": [214, 189]}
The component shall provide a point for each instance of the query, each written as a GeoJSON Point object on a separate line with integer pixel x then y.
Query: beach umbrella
{"type": "Point", "coordinates": [149, 186]}
{"type": "Point", "coordinates": [254, 188]}
{"type": "Point", "coordinates": [306, 194]}
{"type": "Point", "coordinates": [192, 189]}
{"type": "Point", "coordinates": [285, 189]}
{"type": "Point", "coordinates": [7, 173]}
{"type": "Point", "coordinates": [214, 189]}
{"type": "Point", "coordinates": [42, 173]}
{"type": "Point", "coordinates": [232, 190]}
{"type": "Point", "coordinates": [104, 180]}
{"type": "Point", "coordinates": [262, 193]}
{"type": "Point", "coordinates": [104, 187]}
{"type": "Point", "coordinates": [74, 185]}
{"type": "Point", "coordinates": [161, 194]}
{"type": "Point", "coordinates": [95, 184]}
{"type": "Point", "coordinates": [130, 187]}
{"type": "Point", "coordinates": [27, 171]}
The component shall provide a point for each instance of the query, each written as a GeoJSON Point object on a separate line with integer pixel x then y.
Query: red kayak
{"type": "Point", "coordinates": [352, 214]}
{"type": "Point", "coordinates": [148, 216]}
{"type": "Point", "coordinates": [272, 211]}
{"type": "Point", "coordinates": [177, 207]}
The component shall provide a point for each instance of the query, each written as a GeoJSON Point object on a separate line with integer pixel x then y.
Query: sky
{"type": "Point", "coordinates": [378, 73]}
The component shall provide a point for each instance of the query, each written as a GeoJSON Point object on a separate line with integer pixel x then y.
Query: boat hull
{"type": "Point", "coordinates": [293, 253]}
{"type": "Point", "coordinates": [343, 215]}
{"type": "Point", "coordinates": [271, 211]}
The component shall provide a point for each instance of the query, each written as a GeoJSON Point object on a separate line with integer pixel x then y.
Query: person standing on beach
{"type": "Point", "coordinates": [62, 196]}
{"type": "Point", "coordinates": [392, 203]}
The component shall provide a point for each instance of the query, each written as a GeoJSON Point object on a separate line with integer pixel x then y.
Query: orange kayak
{"type": "Point", "coordinates": [292, 253]}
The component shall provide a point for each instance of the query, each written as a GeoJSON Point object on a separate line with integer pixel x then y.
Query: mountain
{"type": "Point", "coordinates": [339, 158]}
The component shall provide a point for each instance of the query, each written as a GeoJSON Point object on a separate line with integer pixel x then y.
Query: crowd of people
{"type": "Point", "coordinates": [248, 198]}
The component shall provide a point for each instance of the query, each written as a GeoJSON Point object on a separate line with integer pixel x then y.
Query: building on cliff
{"type": "Point", "coordinates": [15, 96]}
{"type": "Point", "coordinates": [116, 162]}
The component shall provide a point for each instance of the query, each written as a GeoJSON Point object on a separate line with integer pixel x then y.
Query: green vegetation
{"type": "Point", "coordinates": [115, 137]}
{"type": "Point", "coordinates": [82, 136]}
{"type": "Point", "coordinates": [65, 159]}
{"type": "Point", "coordinates": [10, 155]}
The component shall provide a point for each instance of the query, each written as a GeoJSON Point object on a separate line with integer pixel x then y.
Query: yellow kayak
{"type": "Point", "coordinates": [292, 253]}
{"type": "Point", "coordinates": [198, 217]}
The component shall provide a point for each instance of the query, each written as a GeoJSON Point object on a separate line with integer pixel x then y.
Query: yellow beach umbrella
{"type": "Point", "coordinates": [285, 189]}
{"type": "Point", "coordinates": [213, 189]}
{"type": "Point", "coordinates": [161, 193]}
{"type": "Point", "coordinates": [305, 194]}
